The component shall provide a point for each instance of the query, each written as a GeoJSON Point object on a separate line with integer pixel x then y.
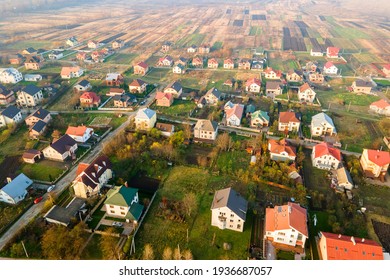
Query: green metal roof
{"type": "Point", "coordinates": [121, 196]}
{"type": "Point", "coordinates": [135, 212]}
{"type": "Point", "coordinates": [260, 114]}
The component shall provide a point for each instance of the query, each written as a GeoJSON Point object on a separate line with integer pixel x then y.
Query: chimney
{"type": "Point", "coordinates": [96, 167]}
{"type": "Point", "coordinates": [353, 240]}
{"type": "Point", "coordinates": [339, 236]}
{"type": "Point", "coordinates": [126, 184]}
{"type": "Point", "coordinates": [363, 240]}
{"type": "Point", "coordinates": [9, 180]}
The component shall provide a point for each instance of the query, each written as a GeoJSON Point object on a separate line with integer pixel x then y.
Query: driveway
{"type": "Point", "coordinates": [270, 251]}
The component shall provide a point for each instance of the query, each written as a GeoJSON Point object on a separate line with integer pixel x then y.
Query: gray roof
{"type": "Point", "coordinates": [63, 144]}
{"type": "Point", "coordinates": [39, 126]}
{"type": "Point", "coordinates": [319, 119]}
{"type": "Point", "coordinates": [343, 176]}
{"type": "Point", "coordinates": [231, 199]}
{"type": "Point", "coordinates": [272, 85]}
{"type": "Point", "coordinates": [145, 113]}
{"type": "Point", "coordinates": [4, 90]}
{"type": "Point", "coordinates": [41, 113]}
{"type": "Point", "coordinates": [250, 108]}
{"type": "Point", "coordinates": [17, 186]}
{"type": "Point", "coordinates": [63, 215]}
{"type": "Point", "coordinates": [125, 97]}
{"type": "Point", "coordinates": [83, 83]}
{"type": "Point", "coordinates": [11, 111]}
{"type": "Point", "coordinates": [362, 83]}
{"type": "Point", "coordinates": [31, 89]}
{"type": "Point", "coordinates": [214, 92]}
{"type": "Point", "coordinates": [30, 50]}
{"type": "Point", "coordinates": [206, 125]}
{"type": "Point", "coordinates": [175, 85]}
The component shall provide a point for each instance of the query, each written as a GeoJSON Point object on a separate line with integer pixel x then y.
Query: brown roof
{"type": "Point", "coordinates": [30, 154]}
{"type": "Point", "coordinates": [286, 117]}
{"type": "Point", "coordinates": [281, 146]}
{"type": "Point", "coordinates": [91, 174]}
{"type": "Point", "coordinates": [165, 127]}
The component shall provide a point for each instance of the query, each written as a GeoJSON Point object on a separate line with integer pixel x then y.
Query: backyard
{"type": "Point", "coordinates": [178, 108]}
{"type": "Point", "coordinates": [44, 170]}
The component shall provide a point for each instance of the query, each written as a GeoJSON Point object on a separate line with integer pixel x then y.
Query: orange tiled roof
{"type": "Point", "coordinates": [325, 149]}
{"type": "Point", "coordinates": [286, 117]}
{"type": "Point", "coordinates": [76, 130]}
{"type": "Point", "coordinates": [380, 158]}
{"type": "Point", "coordinates": [381, 104]}
{"type": "Point", "coordinates": [278, 147]}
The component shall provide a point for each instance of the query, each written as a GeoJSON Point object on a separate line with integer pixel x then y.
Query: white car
{"type": "Point", "coordinates": [49, 189]}
{"type": "Point", "coordinates": [117, 224]}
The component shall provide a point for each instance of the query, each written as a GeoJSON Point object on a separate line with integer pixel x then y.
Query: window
{"type": "Point", "coordinates": [231, 221]}
{"type": "Point", "coordinates": [292, 236]}
{"type": "Point", "coordinates": [111, 206]}
{"type": "Point", "coordinates": [122, 208]}
{"type": "Point", "coordinates": [231, 215]}
{"type": "Point", "coordinates": [345, 250]}
{"type": "Point", "coordinates": [112, 211]}
{"type": "Point", "coordinates": [238, 226]}
{"type": "Point", "coordinates": [122, 213]}
{"type": "Point", "coordinates": [281, 233]}
{"type": "Point", "coordinates": [231, 226]}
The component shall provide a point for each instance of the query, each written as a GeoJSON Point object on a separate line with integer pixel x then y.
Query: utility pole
{"type": "Point", "coordinates": [349, 106]}
{"type": "Point", "coordinates": [24, 248]}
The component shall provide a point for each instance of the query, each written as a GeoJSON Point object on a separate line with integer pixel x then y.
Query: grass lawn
{"type": "Point", "coordinates": [322, 225]}
{"type": "Point", "coordinates": [44, 170]}
{"type": "Point", "coordinates": [367, 58]}
{"type": "Point", "coordinates": [315, 178]}
{"type": "Point", "coordinates": [326, 97]}
{"type": "Point", "coordinates": [16, 143]}
{"type": "Point", "coordinates": [382, 82]}
{"type": "Point", "coordinates": [284, 255]}
{"type": "Point", "coordinates": [350, 33]}
{"type": "Point", "coordinates": [192, 39]}
{"type": "Point", "coordinates": [161, 232]}
{"type": "Point", "coordinates": [178, 108]}
{"type": "Point", "coordinates": [9, 213]}
{"type": "Point", "coordinates": [232, 161]}
{"type": "Point", "coordinates": [96, 217]}
{"type": "Point", "coordinates": [155, 75]}
{"type": "Point", "coordinates": [92, 250]}
{"type": "Point", "coordinates": [216, 46]}
{"type": "Point", "coordinates": [121, 58]}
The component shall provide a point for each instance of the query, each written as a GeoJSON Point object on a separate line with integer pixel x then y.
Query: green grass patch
{"type": "Point", "coordinates": [384, 83]}
{"type": "Point", "coordinates": [96, 217]}
{"type": "Point", "coordinates": [16, 143]}
{"type": "Point", "coordinates": [315, 179]}
{"type": "Point", "coordinates": [216, 46]}
{"type": "Point", "coordinates": [121, 58]}
{"type": "Point", "coordinates": [178, 108]}
{"type": "Point", "coordinates": [44, 170]}
{"type": "Point", "coordinates": [367, 58]}
{"type": "Point", "coordinates": [255, 30]}
{"type": "Point", "coordinates": [233, 161]}
{"type": "Point", "coordinates": [284, 255]}
{"type": "Point", "coordinates": [92, 251]}
{"type": "Point", "coordinates": [350, 33]}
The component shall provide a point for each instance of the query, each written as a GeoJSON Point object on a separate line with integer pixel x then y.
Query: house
{"type": "Point", "coordinates": [15, 190]}
{"type": "Point", "coordinates": [258, 64]}
{"type": "Point", "coordinates": [325, 156]}
{"type": "Point", "coordinates": [33, 62]}
{"type": "Point", "coordinates": [82, 56]}
{"type": "Point", "coordinates": [332, 52]}
{"type": "Point", "coordinates": [89, 99]}
{"type": "Point", "coordinates": [55, 55]}
{"type": "Point", "coordinates": [205, 130]}
{"type": "Point", "coordinates": [33, 77]}
{"type": "Point", "coordinates": [273, 88]}
{"type": "Point", "coordinates": [145, 119]}
{"type": "Point", "coordinates": [98, 56]}
{"type": "Point", "coordinates": [361, 86]}
{"type": "Point", "coordinates": [244, 64]}
{"type": "Point", "coordinates": [115, 92]}
{"type": "Point", "coordinates": [294, 76]}
{"type": "Point", "coordinates": [228, 63]}
{"type": "Point", "coordinates": [288, 121]}
{"type": "Point", "coordinates": [333, 246]}
{"type": "Point", "coordinates": [316, 52]}
{"type": "Point", "coordinates": [375, 163]}
{"type": "Point", "coordinates": [259, 119]}
{"type": "Point", "coordinates": [166, 47]}
{"type": "Point", "coordinates": [381, 107]}
{"type": "Point", "coordinates": [178, 69]}
{"type": "Point", "coordinates": [386, 70]}
{"type": "Point", "coordinates": [269, 73]}
{"type": "Point", "coordinates": [212, 96]}
{"type": "Point", "coordinates": [183, 61]}
{"type": "Point", "coordinates": [92, 177]}
{"type": "Point", "coordinates": [322, 124]}
{"type": "Point", "coordinates": [311, 66]}
{"type": "Point", "coordinates": [39, 115]}
{"type": "Point", "coordinates": [306, 93]}
{"type": "Point", "coordinates": [61, 149]}
{"type": "Point", "coordinates": [316, 78]}
{"type": "Point", "coordinates": [31, 156]}
{"type": "Point", "coordinates": [286, 226]}
{"type": "Point", "coordinates": [253, 85]}
{"type": "Point", "coordinates": [141, 68]}
{"type": "Point", "coordinates": [118, 44]}
{"type": "Point", "coordinates": [30, 95]}
{"type": "Point", "coordinates": [175, 89]}
{"type": "Point", "coordinates": [16, 59]}
{"type": "Point", "coordinates": [250, 109]}
{"type": "Point", "coordinates": [166, 61]}
{"type": "Point", "coordinates": [114, 79]}
{"type": "Point", "coordinates": [192, 49]}
{"type": "Point", "coordinates": [122, 202]}
{"type": "Point", "coordinates": [10, 115]}
{"type": "Point", "coordinates": [137, 86]}
{"type": "Point", "coordinates": [71, 72]}
{"type": "Point", "coordinates": [29, 51]}
{"type": "Point", "coordinates": [124, 101]}
{"type": "Point", "coordinates": [164, 99]}
{"type": "Point", "coordinates": [344, 179]}
{"type": "Point", "coordinates": [93, 44]}
{"type": "Point", "coordinates": [203, 49]}
{"type": "Point", "coordinates": [72, 41]}
{"type": "Point", "coordinates": [83, 85]}
{"type": "Point", "coordinates": [10, 76]}
{"type": "Point", "coordinates": [330, 68]}
{"type": "Point", "coordinates": [229, 83]}
{"type": "Point", "coordinates": [197, 62]}
{"type": "Point", "coordinates": [6, 96]}
{"type": "Point", "coordinates": [64, 215]}
{"type": "Point", "coordinates": [281, 150]}
{"type": "Point", "coordinates": [80, 134]}
{"type": "Point", "coordinates": [166, 129]}
{"type": "Point", "coordinates": [212, 63]}
{"type": "Point", "coordinates": [37, 129]}
{"type": "Point", "coordinates": [228, 210]}
{"type": "Point", "coordinates": [234, 115]}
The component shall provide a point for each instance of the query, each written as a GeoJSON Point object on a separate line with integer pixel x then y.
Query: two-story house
{"type": "Point", "coordinates": [306, 93]}
{"type": "Point", "coordinates": [145, 119]}
{"type": "Point", "coordinates": [30, 95]}
{"type": "Point", "coordinates": [212, 96]}
{"type": "Point", "coordinates": [164, 99]}
{"type": "Point", "coordinates": [205, 130]}
{"type": "Point", "coordinates": [281, 150]}
{"type": "Point", "coordinates": [33, 62]}
{"type": "Point", "coordinates": [361, 86]}
{"type": "Point", "coordinates": [325, 156]}
{"type": "Point", "coordinates": [322, 124]}
{"type": "Point", "coordinates": [114, 80]}
{"type": "Point", "coordinates": [61, 149]}
{"type": "Point", "coordinates": [294, 76]}
{"type": "Point", "coordinates": [228, 63]}
{"type": "Point", "coordinates": [330, 68]}
{"type": "Point", "coordinates": [71, 72]}
{"type": "Point", "coordinates": [82, 86]}
{"type": "Point", "coordinates": [6, 96]}
{"type": "Point", "coordinates": [10, 115]}
{"type": "Point", "coordinates": [212, 63]}
{"type": "Point", "coordinates": [332, 52]}
{"type": "Point", "coordinates": [90, 99]}
{"type": "Point", "coordinates": [16, 189]}
{"type": "Point", "coordinates": [228, 210]}
{"type": "Point", "coordinates": [316, 78]}
{"type": "Point", "coordinates": [253, 85]}
{"type": "Point", "coordinates": [124, 100]}
{"type": "Point", "coordinates": [288, 121]}
{"type": "Point", "coordinates": [234, 114]}
{"type": "Point", "coordinates": [273, 89]}
{"type": "Point", "coordinates": [137, 86]}
{"type": "Point", "coordinates": [175, 89]}
{"type": "Point", "coordinates": [272, 74]}
{"type": "Point", "coordinates": [381, 107]}
{"type": "Point", "coordinates": [39, 115]}
{"type": "Point", "coordinates": [375, 163]}
{"type": "Point", "coordinates": [10, 76]}
{"type": "Point", "coordinates": [259, 119]}
{"type": "Point", "coordinates": [80, 133]}
{"type": "Point", "coordinates": [141, 68]}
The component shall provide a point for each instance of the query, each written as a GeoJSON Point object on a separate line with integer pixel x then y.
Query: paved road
{"type": "Point", "coordinates": [36, 209]}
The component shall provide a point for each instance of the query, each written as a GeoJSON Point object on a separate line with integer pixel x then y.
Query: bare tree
{"type": "Point", "coordinates": [176, 254]}
{"type": "Point", "coordinates": [190, 203]}
{"type": "Point", "coordinates": [108, 245]}
{"type": "Point", "coordinates": [167, 254]}
{"type": "Point", "coordinates": [148, 253]}
{"type": "Point", "coordinates": [187, 255]}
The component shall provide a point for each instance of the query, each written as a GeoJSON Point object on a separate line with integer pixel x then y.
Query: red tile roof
{"type": "Point", "coordinates": [137, 83]}
{"type": "Point", "coordinates": [237, 110]}
{"type": "Point", "coordinates": [142, 64]}
{"type": "Point", "coordinates": [65, 71]}
{"type": "Point", "coordinates": [342, 247]}
{"type": "Point", "coordinates": [228, 61]}
{"type": "Point", "coordinates": [328, 65]}
{"type": "Point", "coordinates": [381, 104]}
{"type": "Point", "coordinates": [278, 147]}
{"type": "Point", "coordinates": [387, 66]}
{"type": "Point", "coordinates": [290, 216]}
{"type": "Point", "coordinates": [380, 158]}
{"type": "Point", "coordinates": [161, 95]}
{"type": "Point", "coordinates": [76, 130]}
{"type": "Point", "coordinates": [253, 81]}
{"type": "Point", "coordinates": [332, 51]}
{"type": "Point", "coordinates": [325, 149]}
{"type": "Point", "coordinates": [286, 117]}
{"type": "Point", "coordinates": [304, 87]}
{"type": "Point", "coordinates": [212, 61]}
{"type": "Point", "coordinates": [82, 166]}
{"type": "Point", "coordinates": [90, 95]}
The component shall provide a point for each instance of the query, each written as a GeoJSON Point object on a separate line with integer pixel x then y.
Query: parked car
{"type": "Point", "coordinates": [38, 199]}
{"type": "Point", "coordinates": [117, 224]}
{"type": "Point", "coordinates": [49, 189]}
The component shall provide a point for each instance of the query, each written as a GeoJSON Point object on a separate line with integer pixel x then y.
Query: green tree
{"type": "Point", "coordinates": [190, 203]}
{"type": "Point", "coordinates": [299, 193]}
{"type": "Point", "coordinates": [108, 244]}
{"type": "Point", "coordinates": [177, 138]}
